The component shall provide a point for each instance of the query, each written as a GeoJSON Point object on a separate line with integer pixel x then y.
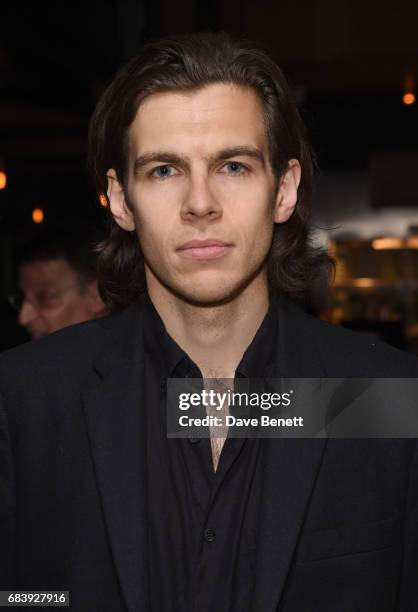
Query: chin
{"type": "Point", "coordinates": [37, 335]}
{"type": "Point", "coordinates": [207, 288]}
{"type": "Point", "coordinates": [210, 293]}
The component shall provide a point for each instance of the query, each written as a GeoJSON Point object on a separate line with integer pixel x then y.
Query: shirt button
{"type": "Point", "coordinates": [194, 440]}
{"type": "Point", "coordinates": [209, 535]}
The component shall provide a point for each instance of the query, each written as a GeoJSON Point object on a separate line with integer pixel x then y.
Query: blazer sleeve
{"type": "Point", "coordinates": [7, 507]}
{"type": "Point", "coordinates": [408, 596]}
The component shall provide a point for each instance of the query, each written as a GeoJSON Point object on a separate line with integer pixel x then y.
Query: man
{"type": "Point", "coordinates": [58, 283]}
{"type": "Point", "coordinates": [203, 156]}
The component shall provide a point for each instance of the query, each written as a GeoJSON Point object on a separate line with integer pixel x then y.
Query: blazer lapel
{"type": "Point", "coordinates": [115, 417]}
{"type": "Point", "coordinates": [290, 468]}
{"type": "Point", "coordinates": [114, 409]}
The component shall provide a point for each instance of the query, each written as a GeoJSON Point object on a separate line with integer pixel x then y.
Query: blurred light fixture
{"type": "Point", "coordinates": [102, 200]}
{"type": "Point", "coordinates": [408, 97]}
{"type": "Point", "coordinates": [38, 215]}
{"type": "Point", "coordinates": [3, 174]}
{"type": "Point", "coordinates": [392, 243]}
{"type": "Point", "coordinates": [412, 242]}
{"type": "Point", "coordinates": [364, 282]}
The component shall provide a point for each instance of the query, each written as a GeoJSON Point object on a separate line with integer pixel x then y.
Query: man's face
{"type": "Point", "coordinates": [54, 297]}
{"type": "Point", "coordinates": [202, 191]}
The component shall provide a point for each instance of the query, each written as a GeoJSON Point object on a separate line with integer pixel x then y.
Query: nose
{"type": "Point", "coordinates": [200, 203]}
{"type": "Point", "coordinates": [27, 314]}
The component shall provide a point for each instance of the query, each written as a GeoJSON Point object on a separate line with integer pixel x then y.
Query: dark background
{"type": "Point", "coordinates": [348, 61]}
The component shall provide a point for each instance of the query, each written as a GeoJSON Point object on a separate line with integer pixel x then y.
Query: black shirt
{"type": "Point", "coordinates": [202, 524]}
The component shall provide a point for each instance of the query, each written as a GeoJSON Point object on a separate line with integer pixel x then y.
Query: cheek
{"type": "Point", "coordinates": [255, 221]}
{"type": "Point", "coordinates": [73, 310]}
{"type": "Point", "coordinates": [57, 318]}
{"type": "Point", "coordinates": [153, 231]}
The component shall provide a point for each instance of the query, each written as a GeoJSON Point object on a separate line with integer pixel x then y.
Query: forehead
{"type": "Point", "coordinates": [47, 272]}
{"type": "Point", "coordinates": [214, 117]}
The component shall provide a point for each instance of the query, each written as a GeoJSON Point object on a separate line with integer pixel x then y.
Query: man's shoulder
{"type": "Point", "coordinates": [70, 349]}
{"type": "Point", "coordinates": [349, 353]}
{"type": "Point", "coordinates": [366, 351]}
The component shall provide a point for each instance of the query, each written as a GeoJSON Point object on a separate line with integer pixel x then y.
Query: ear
{"type": "Point", "coordinates": [116, 196]}
{"type": "Point", "coordinates": [287, 193]}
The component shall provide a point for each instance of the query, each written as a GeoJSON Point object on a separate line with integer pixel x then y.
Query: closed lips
{"type": "Point", "coordinates": [199, 244]}
{"type": "Point", "coordinates": [204, 249]}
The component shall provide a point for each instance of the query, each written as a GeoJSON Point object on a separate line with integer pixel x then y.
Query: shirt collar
{"type": "Point", "coordinates": [171, 361]}
{"type": "Point", "coordinates": [260, 356]}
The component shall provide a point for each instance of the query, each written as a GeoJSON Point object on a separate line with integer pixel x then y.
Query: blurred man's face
{"type": "Point", "coordinates": [203, 193]}
{"type": "Point", "coordinates": [54, 297]}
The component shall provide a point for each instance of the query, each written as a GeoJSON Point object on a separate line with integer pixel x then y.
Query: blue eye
{"type": "Point", "coordinates": [163, 171]}
{"type": "Point", "coordinates": [235, 168]}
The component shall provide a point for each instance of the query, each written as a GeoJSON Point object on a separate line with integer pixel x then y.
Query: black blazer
{"type": "Point", "coordinates": [338, 521]}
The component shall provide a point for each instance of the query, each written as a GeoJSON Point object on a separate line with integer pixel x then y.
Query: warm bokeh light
{"type": "Point", "coordinates": [390, 242]}
{"type": "Point", "coordinates": [38, 215]}
{"type": "Point", "coordinates": [364, 282]}
{"type": "Point", "coordinates": [102, 200]}
{"type": "Point", "coordinates": [408, 98]}
{"type": "Point", "coordinates": [412, 242]}
{"type": "Point", "coordinates": [3, 179]}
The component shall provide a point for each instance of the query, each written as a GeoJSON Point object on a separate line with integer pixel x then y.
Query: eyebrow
{"type": "Point", "coordinates": [173, 158]}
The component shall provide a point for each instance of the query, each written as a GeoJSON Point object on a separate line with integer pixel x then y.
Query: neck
{"type": "Point", "coordinates": [216, 336]}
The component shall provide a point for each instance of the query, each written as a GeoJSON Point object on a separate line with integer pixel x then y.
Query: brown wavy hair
{"type": "Point", "coordinates": [187, 63]}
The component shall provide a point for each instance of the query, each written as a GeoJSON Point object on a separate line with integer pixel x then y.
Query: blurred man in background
{"type": "Point", "coordinates": [58, 282]}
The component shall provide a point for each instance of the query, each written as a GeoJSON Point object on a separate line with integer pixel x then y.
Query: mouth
{"type": "Point", "coordinates": [204, 249]}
